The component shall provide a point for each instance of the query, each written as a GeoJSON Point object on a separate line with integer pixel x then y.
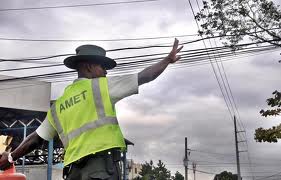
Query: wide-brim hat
{"type": "Point", "coordinates": [91, 54]}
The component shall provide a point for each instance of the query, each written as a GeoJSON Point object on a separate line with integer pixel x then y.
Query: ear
{"type": "Point", "coordinates": [89, 67]}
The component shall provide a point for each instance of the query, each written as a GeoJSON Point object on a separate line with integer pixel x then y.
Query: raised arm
{"type": "Point", "coordinates": [152, 72]}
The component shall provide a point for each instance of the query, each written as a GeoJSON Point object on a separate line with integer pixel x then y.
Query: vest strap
{"type": "Point", "coordinates": [97, 98]}
{"type": "Point", "coordinates": [58, 124]}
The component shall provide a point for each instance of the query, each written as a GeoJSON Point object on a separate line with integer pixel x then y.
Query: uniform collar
{"type": "Point", "coordinates": [79, 79]}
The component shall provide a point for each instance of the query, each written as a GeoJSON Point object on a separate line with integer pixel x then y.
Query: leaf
{"type": "Point", "coordinates": [224, 17]}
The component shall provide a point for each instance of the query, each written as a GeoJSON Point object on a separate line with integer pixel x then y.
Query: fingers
{"type": "Point", "coordinates": [176, 44]}
{"type": "Point", "coordinates": [179, 49]}
{"type": "Point", "coordinates": [175, 50]}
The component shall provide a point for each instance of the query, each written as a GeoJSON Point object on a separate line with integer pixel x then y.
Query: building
{"type": "Point", "coordinates": [133, 169]}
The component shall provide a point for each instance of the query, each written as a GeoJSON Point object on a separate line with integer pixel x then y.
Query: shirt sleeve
{"type": "Point", "coordinates": [46, 131]}
{"type": "Point", "coordinates": [122, 86]}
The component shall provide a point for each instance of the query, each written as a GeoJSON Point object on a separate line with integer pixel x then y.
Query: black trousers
{"type": "Point", "coordinates": [95, 167]}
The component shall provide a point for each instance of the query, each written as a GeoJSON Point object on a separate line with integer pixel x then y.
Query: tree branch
{"type": "Point", "coordinates": [264, 29]}
{"type": "Point", "coordinates": [265, 40]}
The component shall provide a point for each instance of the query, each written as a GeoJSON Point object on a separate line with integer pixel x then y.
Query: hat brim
{"type": "Point", "coordinates": [106, 62]}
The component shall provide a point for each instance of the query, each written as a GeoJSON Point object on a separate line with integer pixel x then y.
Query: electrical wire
{"type": "Point", "coordinates": [266, 177]}
{"type": "Point", "coordinates": [111, 50]}
{"type": "Point", "coordinates": [128, 60]}
{"type": "Point", "coordinates": [224, 80]}
{"type": "Point", "coordinates": [231, 99]}
{"type": "Point", "coordinates": [204, 172]}
{"type": "Point", "coordinates": [123, 39]}
{"type": "Point", "coordinates": [76, 5]}
{"type": "Point", "coordinates": [213, 68]}
{"type": "Point", "coordinates": [95, 40]}
{"type": "Point", "coordinates": [130, 66]}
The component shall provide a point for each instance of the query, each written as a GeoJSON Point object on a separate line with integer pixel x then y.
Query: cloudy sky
{"type": "Point", "coordinates": [182, 102]}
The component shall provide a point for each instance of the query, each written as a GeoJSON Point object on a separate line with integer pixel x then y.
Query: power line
{"type": "Point", "coordinates": [121, 39]}
{"type": "Point", "coordinates": [213, 68]}
{"type": "Point", "coordinates": [71, 74]}
{"type": "Point", "coordinates": [96, 40]}
{"type": "Point", "coordinates": [204, 172]}
{"type": "Point", "coordinates": [36, 58]}
{"type": "Point", "coordinates": [189, 62]}
{"type": "Point", "coordinates": [76, 5]}
{"type": "Point", "coordinates": [121, 68]}
{"type": "Point", "coordinates": [208, 163]}
{"type": "Point", "coordinates": [266, 177]}
{"type": "Point", "coordinates": [230, 97]}
{"type": "Point", "coordinates": [187, 57]}
{"type": "Point", "coordinates": [226, 84]}
{"type": "Point", "coordinates": [186, 54]}
{"type": "Point", "coordinates": [33, 67]}
{"type": "Point", "coordinates": [229, 155]}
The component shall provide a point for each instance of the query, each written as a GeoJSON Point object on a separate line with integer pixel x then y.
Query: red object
{"type": "Point", "coordinates": [10, 174]}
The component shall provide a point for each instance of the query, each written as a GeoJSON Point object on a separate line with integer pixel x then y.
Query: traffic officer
{"type": "Point", "coordinates": [84, 116]}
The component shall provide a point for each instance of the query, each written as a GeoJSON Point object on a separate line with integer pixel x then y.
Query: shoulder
{"type": "Point", "coordinates": [123, 79]}
{"type": "Point", "coordinates": [122, 86]}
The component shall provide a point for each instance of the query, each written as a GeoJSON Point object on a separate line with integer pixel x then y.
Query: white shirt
{"type": "Point", "coordinates": [119, 87]}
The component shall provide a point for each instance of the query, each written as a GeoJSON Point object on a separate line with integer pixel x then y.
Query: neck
{"type": "Point", "coordinates": [84, 75]}
{"type": "Point", "coordinates": [87, 75]}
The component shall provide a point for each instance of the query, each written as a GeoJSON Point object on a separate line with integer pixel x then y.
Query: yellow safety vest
{"type": "Point", "coordinates": [85, 119]}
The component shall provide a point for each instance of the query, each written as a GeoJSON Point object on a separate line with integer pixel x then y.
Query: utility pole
{"type": "Point", "coordinates": [194, 169]}
{"type": "Point", "coordinates": [185, 160]}
{"type": "Point", "coordinates": [237, 150]}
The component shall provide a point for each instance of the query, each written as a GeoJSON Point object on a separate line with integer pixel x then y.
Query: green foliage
{"type": "Point", "coordinates": [274, 133]}
{"type": "Point", "coordinates": [151, 172]}
{"type": "Point", "coordinates": [161, 172]}
{"type": "Point", "coordinates": [178, 176]}
{"type": "Point", "coordinates": [147, 170]}
{"type": "Point", "coordinates": [233, 20]}
{"type": "Point", "coordinates": [225, 176]}
{"type": "Point", "coordinates": [273, 102]}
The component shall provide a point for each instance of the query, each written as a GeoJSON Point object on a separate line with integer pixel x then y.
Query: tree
{"type": "Point", "coordinates": [233, 20]}
{"type": "Point", "coordinates": [178, 176]}
{"type": "Point", "coordinates": [150, 172]}
{"type": "Point", "coordinates": [226, 176]}
{"type": "Point", "coordinates": [161, 172]}
{"type": "Point", "coordinates": [274, 133]}
{"type": "Point", "coordinates": [147, 171]}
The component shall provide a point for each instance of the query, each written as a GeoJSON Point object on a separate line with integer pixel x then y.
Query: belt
{"type": "Point", "coordinates": [115, 153]}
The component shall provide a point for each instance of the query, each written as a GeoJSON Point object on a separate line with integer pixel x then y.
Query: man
{"type": "Point", "coordinates": [84, 116]}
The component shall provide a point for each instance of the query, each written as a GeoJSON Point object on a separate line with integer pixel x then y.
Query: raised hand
{"type": "Point", "coordinates": [173, 57]}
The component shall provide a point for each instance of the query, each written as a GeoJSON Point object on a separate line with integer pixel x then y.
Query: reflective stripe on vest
{"type": "Point", "coordinates": [58, 125]}
{"type": "Point", "coordinates": [101, 121]}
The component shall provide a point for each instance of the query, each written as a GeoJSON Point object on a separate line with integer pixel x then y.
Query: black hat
{"type": "Point", "coordinates": [91, 54]}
